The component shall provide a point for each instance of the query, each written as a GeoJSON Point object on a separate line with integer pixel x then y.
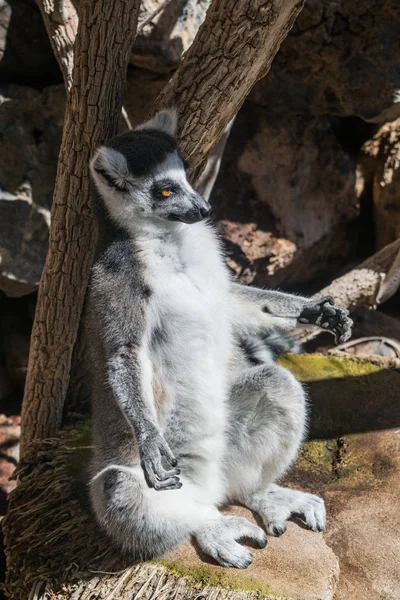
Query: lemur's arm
{"type": "Point", "coordinates": [118, 317]}
{"type": "Point", "coordinates": [256, 310]}
{"type": "Point", "coordinates": [128, 375]}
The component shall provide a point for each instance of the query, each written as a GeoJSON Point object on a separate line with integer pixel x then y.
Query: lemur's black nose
{"type": "Point", "coordinates": [205, 211]}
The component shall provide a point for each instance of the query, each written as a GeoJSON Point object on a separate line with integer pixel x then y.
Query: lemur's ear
{"type": "Point", "coordinates": [165, 120]}
{"type": "Point", "coordinates": [111, 166]}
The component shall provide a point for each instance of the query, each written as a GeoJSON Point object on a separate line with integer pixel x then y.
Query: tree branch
{"type": "Point", "coordinates": [358, 287]}
{"type": "Point", "coordinates": [233, 49]}
{"type": "Point", "coordinates": [61, 22]}
{"type": "Point", "coordinates": [106, 32]}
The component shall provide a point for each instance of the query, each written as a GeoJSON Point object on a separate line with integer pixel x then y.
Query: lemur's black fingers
{"type": "Point", "coordinates": [173, 483]}
{"type": "Point", "coordinates": [346, 332]}
{"type": "Point", "coordinates": [313, 309]}
{"type": "Point", "coordinates": [303, 320]}
{"type": "Point", "coordinates": [158, 478]}
{"type": "Point", "coordinates": [329, 310]}
{"type": "Point", "coordinates": [150, 477]}
{"type": "Point", "coordinates": [173, 472]}
{"type": "Point", "coordinates": [166, 452]}
{"type": "Point", "coordinates": [326, 299]}
{"type": "Point", "coordinates": [320, 319]}
{"type": "Point", "coordinates": [343, 331]}
{"type": "Point", "coordinates": [162, 474]}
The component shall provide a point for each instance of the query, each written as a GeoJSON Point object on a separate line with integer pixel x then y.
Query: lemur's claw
{"type": "Point", "coordinates": [323, 313]}
{"type": "Point", "coordinates": [153, 449]}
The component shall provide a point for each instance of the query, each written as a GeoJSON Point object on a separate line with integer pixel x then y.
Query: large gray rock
{"type": "Point", "coordinates": [161, 43]}
{"type": "Point", "coordinates": [285, 198]}
{"type": "Point", "coordinates": [31, 128]}
{"type": "Point", "coordinates": [341, 58]}
{"type": "Point", "coordinates": [381, 162]}
{"type": "Point", "coordinates": [24, 231]}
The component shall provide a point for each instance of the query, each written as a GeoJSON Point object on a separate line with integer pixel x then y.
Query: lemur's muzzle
{"type": "Point", "coordinates": [199, 210]}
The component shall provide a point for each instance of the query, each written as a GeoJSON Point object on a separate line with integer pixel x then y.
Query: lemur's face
{"type": "Point", "coordinates": [140, 173]}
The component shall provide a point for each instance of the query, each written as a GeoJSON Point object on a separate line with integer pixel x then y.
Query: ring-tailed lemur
{"type": "Point", "coordinates": [177, 404]}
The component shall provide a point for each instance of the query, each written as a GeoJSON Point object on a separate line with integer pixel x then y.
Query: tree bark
{"type": "Point", "coordinates": [233, 49]}
{"type": "Point", "coordinates": [106, 32]}
{"type": "Point", "coordinates": [360, 286]}
{"type": "Point", "coordinates": [61, 22]}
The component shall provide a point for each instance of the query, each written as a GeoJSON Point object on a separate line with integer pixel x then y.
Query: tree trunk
{"type": "Point", "coordinates": [233, 49]}
{"type": "Point", "coordinates": [105, 35]}
{"type": "Point", "coordinates": [61, 21]}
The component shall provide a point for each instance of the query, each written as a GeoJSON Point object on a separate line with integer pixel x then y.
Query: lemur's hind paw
{"type": "Point", "coordinates": [280, 504]}
{"type": "Point", "coordinates": [153, 449]}
{"type": "Point", "coordinates": [325, 314]}
{"type": "Point", "coordinates": [219, 538]}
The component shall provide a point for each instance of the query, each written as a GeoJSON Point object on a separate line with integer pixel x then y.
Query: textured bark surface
{"type": "Point", "coordinates": [105, 35]}
{"type": "Point", "coordinates": [61, 21]}
{"type": "Point", "coordinates": [233, 49]}
{"type": "Point", "coordinates": [381, 162]}
{"type": "Point", "coordinates": [359, 287]}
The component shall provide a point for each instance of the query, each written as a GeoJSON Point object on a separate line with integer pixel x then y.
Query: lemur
{"type": "Point", "coordinates": [190, 411]}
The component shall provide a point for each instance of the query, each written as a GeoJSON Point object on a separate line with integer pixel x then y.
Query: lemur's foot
{"type": "Point", "coordinates": [218, 538]}
{"type": "Point", "coordinates": [153, 449]}
{"type": "Point", "coordinates": [278, 504]}
{"type": "Point", "coordinates": [323, 313]}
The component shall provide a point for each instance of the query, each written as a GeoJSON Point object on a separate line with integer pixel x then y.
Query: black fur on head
{"type": "Point", "coordinates": [143, 149]}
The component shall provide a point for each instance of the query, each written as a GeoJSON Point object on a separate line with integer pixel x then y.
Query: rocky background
{"type": "Point", "coordinates": [309, 183]}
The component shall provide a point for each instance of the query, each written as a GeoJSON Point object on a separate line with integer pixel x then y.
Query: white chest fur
{"type": "Point", "coordinates": [189, 336]}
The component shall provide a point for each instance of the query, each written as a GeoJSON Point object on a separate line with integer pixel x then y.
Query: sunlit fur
{"type": "Point", "coordinates": [171, 369]}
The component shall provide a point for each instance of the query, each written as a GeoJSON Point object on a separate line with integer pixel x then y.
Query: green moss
{"type": "Point", "coordinates": [224, 578]}
{"type": "Point", "coordinates": [317, 367]}
{"type": "Point", "coordinates": [316, 457]}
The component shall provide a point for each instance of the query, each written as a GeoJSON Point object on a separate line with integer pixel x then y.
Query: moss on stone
{"type": "Point", "coordinates": [316, 367]}
{"type": "Point", "coordinates": [224, 578]}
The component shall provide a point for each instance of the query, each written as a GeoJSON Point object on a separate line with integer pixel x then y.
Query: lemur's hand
{"type": "Point", "coordinates": [323, 313]}
{"type": "Point", "coordinates": [152, 449]}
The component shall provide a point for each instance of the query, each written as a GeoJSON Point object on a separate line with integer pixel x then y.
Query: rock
{"type": "Point", "coordinates": [346, 393]}
{"type": "Point", "coordinates": [5, 18]}
{"type": "Point", "coordinates": [10, 429]}
{"type": "Point", "coordinates": [31, 128]}
{"type": "Point", "coordinates": [298, 565]}
{"type": "Point", "coordinates": [161, 43]}
{"type": "Point", "coordinates": [6, 386]}
{"type": "Point", "coordinates": [24, 238]}
{"type": "Point", "coordinates": [25, 51]}
{"type": "Point", "coordinates": [340, 58]}
{"type": "Point", "coordinates": [374, 322]}
{"type": "Point", "coordinates": [355, 465]}
{"type": "Point", "coordinates": [381, 161]}
{"type": "Point", "coordinates": [15, 330]}
{"type": "Point", "coordinates": [369, 347]}
{"type": "Point", "coordinates": [285, 202]}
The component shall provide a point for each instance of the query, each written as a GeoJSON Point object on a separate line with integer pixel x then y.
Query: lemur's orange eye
{"type": "Point", "coordinates": [166, 193]}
